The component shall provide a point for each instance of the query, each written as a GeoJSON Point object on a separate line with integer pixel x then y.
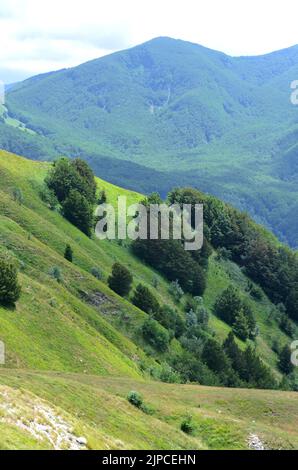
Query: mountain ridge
{"type": "Point", "coordinates": [173, 107]}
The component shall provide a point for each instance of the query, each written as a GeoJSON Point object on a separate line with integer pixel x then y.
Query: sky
{"type": "Point", "coordinates": [43, 35]}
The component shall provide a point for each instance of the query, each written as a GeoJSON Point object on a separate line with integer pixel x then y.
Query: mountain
{"type": "Point", "coordinates": [168, 113]}
{"type": "Point", "coordinates": [75, 349]}
{"type": "Point", "coordinates": [173, 113]}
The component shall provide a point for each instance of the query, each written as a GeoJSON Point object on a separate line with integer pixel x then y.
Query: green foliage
{"type": "Point", "coordinates": [102, 198]}
{"type": "Point", "coordinates": [48, 196]}
{"type": "Point", "coordinates": [145, 300]}
{"type": "Point", "coordinates": [214, 356]}
{"type": "Point", "coordinates": [170, 258]}
{"type": "Point", "coordinates": [285, 364]}
{"type": "Point", "coordinates": [87, 180]}
{"type": "Point", "coordinates": [228, 305]}
{"type": "Point", "coordinates": [74, 186]}
{"type": "Point", "coordinates": [234, 354]}
{"type": "Point", "coordinates": [230, 308]}
{"type": "Point", "coordinates": [170, 319]}
{"type": "Point", "coordinates": [135, 399]}
{"type": "Point", "coordinates": [255, 373]}
{"type": "Point", "coordinates": [187, 426]}
{"type": "Point", "coordinates": [195, 308]}
{"type": "Point", "coordinates": [68, 254]}
{"type": "Point", "coordinates": [71, 175]}
{"type": "Point", "coordinates": [292, 302]}
{"type": "Point", "coordinates": [78, 211]}
{"type": "Point", "coordinates": [104, 331]}
{"type": "Point", "coordinates": [56, 273]}
{"type": "Point", "coordinates": [156, 335]}
{"type": "Point", "coordinates": [255, 291]}
{"type": "Point", "coordinates": [224, 253]}
{"type": "Point", "coordinates": [176, 291]}
{"type": "Point", "coordinates": [121, 280]}
{"type": "Point", "coordinates": [241, 326]}
{"type": "Point", "coordinates": [155, 282]}
{"type": "Point", "coordinates": [10, 289]}
{"type": "Point", "coordinates": [193, 369]}
{"type": "Point", "coordinates": [96, 272]}
{"type": "Point", "coordinates": [287, 325]}
{"type": "Point", "coordinates": [248, 366]}
{"type": "Point", "coordinates": [168, 375]}
{"type": "Point", "coordinates": [18, 196]}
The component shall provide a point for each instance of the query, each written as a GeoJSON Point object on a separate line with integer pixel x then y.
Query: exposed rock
{"type": "Point", "coordinates": [82, 441]}
{"type": "Point", "coordinates": [255, 443]}
{"type": "Point", "coordinates": [39, 419]}
{"type": "Point", "coordinates": [96, 299]}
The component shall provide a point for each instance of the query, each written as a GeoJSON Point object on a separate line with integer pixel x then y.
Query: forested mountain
{"type": "Point", "coordinates": [173, 113]}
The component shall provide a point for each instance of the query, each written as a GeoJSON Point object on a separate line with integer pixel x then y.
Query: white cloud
{"type": "Point", "coordinates": [37, 36]}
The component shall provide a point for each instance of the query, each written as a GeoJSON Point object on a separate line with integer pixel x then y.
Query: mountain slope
{"type": "Point", "coordinates": [37, 237]}
{"type": "Point", "coordinates": [86, 335]}
{"type": "Point", "coordinates": [193, 115]}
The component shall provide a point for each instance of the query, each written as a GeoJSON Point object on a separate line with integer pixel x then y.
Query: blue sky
{"type": "Point", "coordinates": [41, 35]}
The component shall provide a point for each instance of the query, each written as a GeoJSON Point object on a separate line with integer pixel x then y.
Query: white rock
{"type": "Point", "coordinates": [82, 441]}
{"type": "Point", "coordinates": [255, 442]}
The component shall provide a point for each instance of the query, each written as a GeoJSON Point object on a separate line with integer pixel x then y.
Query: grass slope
{"type": "Point", "coordinates": [80, 327]}
{"type": "Point", "coordinates": [97, 409]}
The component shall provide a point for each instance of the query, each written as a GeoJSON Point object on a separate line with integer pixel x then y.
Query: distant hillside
{"type": "Point", "coordinates": [187, 114]}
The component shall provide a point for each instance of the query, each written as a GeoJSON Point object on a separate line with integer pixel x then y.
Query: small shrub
{"type": "Point", "coordinates": [135, 399]}
{"type": "Point", "coordinates": [147, 409]}
{"type": "Point", "coordinates": [53, 303]}
{"type": "Point", "coordinates": [224, 254]}
{"type": "Point", "coordinates": [256, 292]}
{"type": "Point", "coordinates": [96, 272]}
{"type": "Point", "coordinates": [168, 375]}
{"type": "Point", "coordinates": [187, 426]}
{"type": "Point", "coordinates": [22, 265]}
{"type": "Point", "coordinates": [276, 346]}
{"type": "Point", "coordinates": [56, 273]}
{"type": "Point", "coordinates": [191, 320]}
{"type": "Point", "coordinates": [176, 291]}
{"type": "Point", "coordinates": [68, 254]}
{"type": "Point", "coordinates": [18, 196]}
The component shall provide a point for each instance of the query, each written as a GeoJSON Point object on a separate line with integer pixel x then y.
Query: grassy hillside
{"type": "Point", "coordinates": [96, 408]}
{"type": "Point", "coordinates": [86, 335]}
{"type": "Point", "coordinates": [188, 114]}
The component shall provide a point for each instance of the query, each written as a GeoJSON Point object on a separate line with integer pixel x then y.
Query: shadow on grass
{"type": "Point", "coordinates": [9, 306]}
